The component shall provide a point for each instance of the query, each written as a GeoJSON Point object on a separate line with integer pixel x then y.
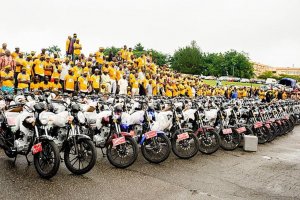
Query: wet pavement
{"type": "Point", "coordinates": [271, 173]}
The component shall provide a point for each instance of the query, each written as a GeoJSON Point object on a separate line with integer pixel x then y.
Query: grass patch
{"type": "Point", "coordinates": [227, 83]}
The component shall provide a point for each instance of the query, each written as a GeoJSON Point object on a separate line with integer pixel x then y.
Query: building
{"type": "Point", "coordinates": [261, 68]}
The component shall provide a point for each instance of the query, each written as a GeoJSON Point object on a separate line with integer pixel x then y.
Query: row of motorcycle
{"type": "Point", "coordinates": [59, 128]}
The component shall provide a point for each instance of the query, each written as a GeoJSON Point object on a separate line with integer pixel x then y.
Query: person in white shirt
{"type": "Point", "coordinates": [123, 85]}
{"type": "Point", "coordinates": [105, 79]}
{"type": "Point", "coordinates": [65, 68]}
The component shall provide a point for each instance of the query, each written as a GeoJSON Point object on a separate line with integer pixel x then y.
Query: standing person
{"type": "Point", "coordinates": [3, 49]}
{"type": "Point", "coordinates": [71, 46]}
{"type": "Point", "coordinates": [83, 82]}
{"type": "Point", "coordinates": [38, 67]}
{"type": "Point", "coordinates": [99, 56]}
{"type": "Point", "coordinates": [65, 69]}
{"type": "Point", "coordinates": [7, 79]}
{"type": "Point", "coordinates": [77, 50]}
{"type": "Point", "coordinates": [68, 42]}
{"type": "Point", "coordinates": [105, 81]}
{"type": "Point", "coordinates": [149, 89]}
{"type": "Point", "coordinates": [234, 94]}
{"type": "Point", "coordinates": [70, 81]}
{"type": "Point", "coordinates": [6, 59]}
{"type": "Point", "coordinates": [95, 81]}
{"type": "Point", "coordinates": [23, 80]}
{"type": "Point", "coordinates": [123, 85]}
{"type": "Point", "coordinates": [15, 54]}
{"type": "Point", "coordinates": [134, 82]}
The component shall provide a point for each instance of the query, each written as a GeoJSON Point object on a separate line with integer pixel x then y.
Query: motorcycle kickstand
{"type": "Point", "coordinates": [15, 159]}
{"type": "Point", "coordinates": [28, 162]}
{"type": "Point", "coordinates": [104, 155]}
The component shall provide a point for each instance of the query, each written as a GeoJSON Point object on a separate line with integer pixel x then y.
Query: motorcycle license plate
{"type": "Point", "coordinates": [150, 134]}
{"type": "Point", "coordinates": [241, 130]}
{"type": "Point", "coordinates": [268, 126]}
{"type": "Point", "coordinates": [257, 125]}
{"type": "Point", "coordinates": [37, 148]}
{"type": "Point", "coordinates": [182, 136]}
{"type": "Point", "coordinates": [118, 141]}
{"type": "Point", "coordinates": [227, 131]}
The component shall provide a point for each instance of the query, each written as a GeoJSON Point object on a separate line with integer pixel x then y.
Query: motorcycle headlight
{"type": "Point", "coordinates": [44, 121]}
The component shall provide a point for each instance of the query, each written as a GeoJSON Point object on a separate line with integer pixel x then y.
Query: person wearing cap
{"type": "Point", "coordinates": [83, 82]}
{"type": "Point", "coordinates": [46, 84]}
{"type": "Point", "coordinates": [124, 53]}
{"type": "Point", "coordinates": [70, 80]}
{"type": "Point", "coordinates": [95, 81]}
{"type": "Point", "coordinates": [7, 79]}
{"type": "Point", "coordinates": [55, 85]}
{"type": "Point", "coordinates": [38, 67]}
{"type": "Point", "coordinates": [68, 42]}
{"type": "Point", "coordinates": [105, 80]}
{"type": "Point", "coordinates": [99, 56]}
{"type": "Point", "coordinates": [77, 50]}
{"type": "Point", "coordinates": [3, 49]}
{"type": "Point", "coordinates": [15, 54]}
{"type": "Point", "coordinates": [43, 53]}
{"type": "Point", "coordinates": [48, 67]}
{"type": "Point", "coordinates": [23, 80]}
{"type": "Point", "coordinates": [35, 84]}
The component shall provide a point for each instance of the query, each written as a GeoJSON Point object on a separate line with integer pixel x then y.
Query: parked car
{"type": "Point", "coordinates": [245, 80]}
{"type": "Point", "coordinates": [271, 81]}
{"type": "Point", "coordinates": [210, 78]}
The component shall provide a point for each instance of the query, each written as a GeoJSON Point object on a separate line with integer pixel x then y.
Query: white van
{"type": "Point", "coordinates": [271, 81]}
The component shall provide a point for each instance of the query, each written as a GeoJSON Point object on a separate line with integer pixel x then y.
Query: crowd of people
{"type": "Point", "coordinates": [123, 73]}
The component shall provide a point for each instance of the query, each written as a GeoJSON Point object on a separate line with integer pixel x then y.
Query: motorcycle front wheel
{"type": "Point", "coordinates": [83, 160]}
{"type": "Point", "coordinates": [123, 155]}
{"type": "Point", "coordinates": [186, 148]}
{"type": "Point", "coordinates": [157, 149]}
{"type": "Point", "coordinates": [47, 161]}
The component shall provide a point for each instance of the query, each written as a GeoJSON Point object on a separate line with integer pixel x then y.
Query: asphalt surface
{"type": "Point", "coordinates": [271, 173]}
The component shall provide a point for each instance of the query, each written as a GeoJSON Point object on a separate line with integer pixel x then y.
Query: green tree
{"type": "Point", "coordinates": [267, 74]}
{"type": "Point", "coordinates": [54, 49]}
{"type": "Point", "coordinates": [189, 60]}
{"type": "Point", "coordinates": [112, 49]}
{"type": "Point", "coordinates": [138, 47]}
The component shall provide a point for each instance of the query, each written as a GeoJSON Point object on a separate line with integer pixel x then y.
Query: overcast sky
{"type": "Point", "coordinates": [268, 30]}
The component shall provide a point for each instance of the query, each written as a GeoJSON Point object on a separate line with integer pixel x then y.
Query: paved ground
{"type": "Point", "coordinates": [271, 173]}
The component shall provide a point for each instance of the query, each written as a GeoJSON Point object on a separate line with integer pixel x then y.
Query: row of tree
{"type": "Point", "coordinates": [191, 60]}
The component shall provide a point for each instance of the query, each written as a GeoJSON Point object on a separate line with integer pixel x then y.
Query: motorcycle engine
{"type": "Point", "coordinates": [21, 144]}
{"type": "Point", "coordinates": [99, 139]}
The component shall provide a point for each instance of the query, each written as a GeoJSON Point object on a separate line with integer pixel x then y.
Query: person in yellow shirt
{"type": "Point", "coordinates": [38, 67]}
{"type": "Point", "coordinates": [68, 45]}
{"type": "Point", "coordinates": [56, 86]}
{"type": "Point", "coordinates": [77, 49]}
{"type": "Point", "coordinates": [124, 53]}
{"type": "Point", "coordinates": [7, 79]}
{"type": "Point", "coordinates": [95, 81]}
{"type": "Point", "coordinates": [23, 80]}
{"type": "Point", "coordinates": [48, 67]}
{"type": "Point", "coordinates": [3, 49]}
{"type": "Point", "coordinates": [46, 84]}
{"type": "Point", "coordinates": [83, 83]}
{"type": "Point", "coordinates": [15, 54]}
{"type": "Point", "coordinates": [99, 56]}
{"type": "Point", "coordinates": [134, 82]}
{"type": "Point", "coordinates": [56, 74]}
{"type": "Point", "coordinates": [78, 70]}
{"type": "Point", "coordinates": [70, 81]}
{"type": "Point", "coordinates": [35, 85]}
{"type": "Point", "coordinates": [129, 54]}
{"type": "Point", "coordinates": [169, 90]}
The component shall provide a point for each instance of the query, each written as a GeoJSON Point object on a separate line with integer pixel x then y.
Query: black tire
{"type": "Point", "coordinates": [280, 127]}
{"type": "Point", "coordinates": [87, 153]}
{"type": "Point", "coordinates": [10, 154]}
{"type": "Point", "coordinates": [273, 130]}
{"type": "Point", "coordinates": [292, 124]}
{"type": "Point", "coordinates": [121, 152]}
{"type": "Point", "coordinates": [157, 149]}
{"type": "Point", "coordinates": [49, 154]}
{"type": "Point", "coordinates": [209, 142]}
{"type": "Point", "coordinates": [263, 134]}
{"type": "Point", "coordinates": [231, 141]}
{"type": "Point", "coordinates": [186, 148]}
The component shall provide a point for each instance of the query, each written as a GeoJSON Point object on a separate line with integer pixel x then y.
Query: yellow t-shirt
{"type": "Point", "coordinates": [45, 86]}
{"type": "Point", "coordinates": [14, 55]}
{"type": "Point", "coordinates": [7, 83]}
{"type": "Point", "coordinates": [169, 90]}
{"type": "Point", "coordinates": [39, 67]}
{"type": "Point", "coordinates": [70, 82]}
{"type": "Point", "coordinates": [23, 77]}
{"type": "Point", "coordinates": [56, 86]}
{"type": "Point", "coordinates": [48, 68]}
{"type": "Point", "coordinates": [77, 51]}
{"type": "Point", "coordinates": [112, 73]}
{"type": "Point", "coordinates": [134, 83]}
{"type": "Point", "coordinates": [55, 75]}
{"type": "Point", "coordinates": [34, 86]}
{"type": "Point", "coordinates": [95, 80]}
{"type": "Point", "coordinates": [83, 84]}
{"type": "Point", "coordinates": [99, 57]}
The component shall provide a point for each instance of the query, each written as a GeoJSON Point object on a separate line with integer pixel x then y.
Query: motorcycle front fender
{"type": "Point", "coordinates": [144, 136]}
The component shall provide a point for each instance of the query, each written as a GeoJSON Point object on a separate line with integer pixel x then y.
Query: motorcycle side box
{"type": "Point", "coordinates": [250, 143]}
